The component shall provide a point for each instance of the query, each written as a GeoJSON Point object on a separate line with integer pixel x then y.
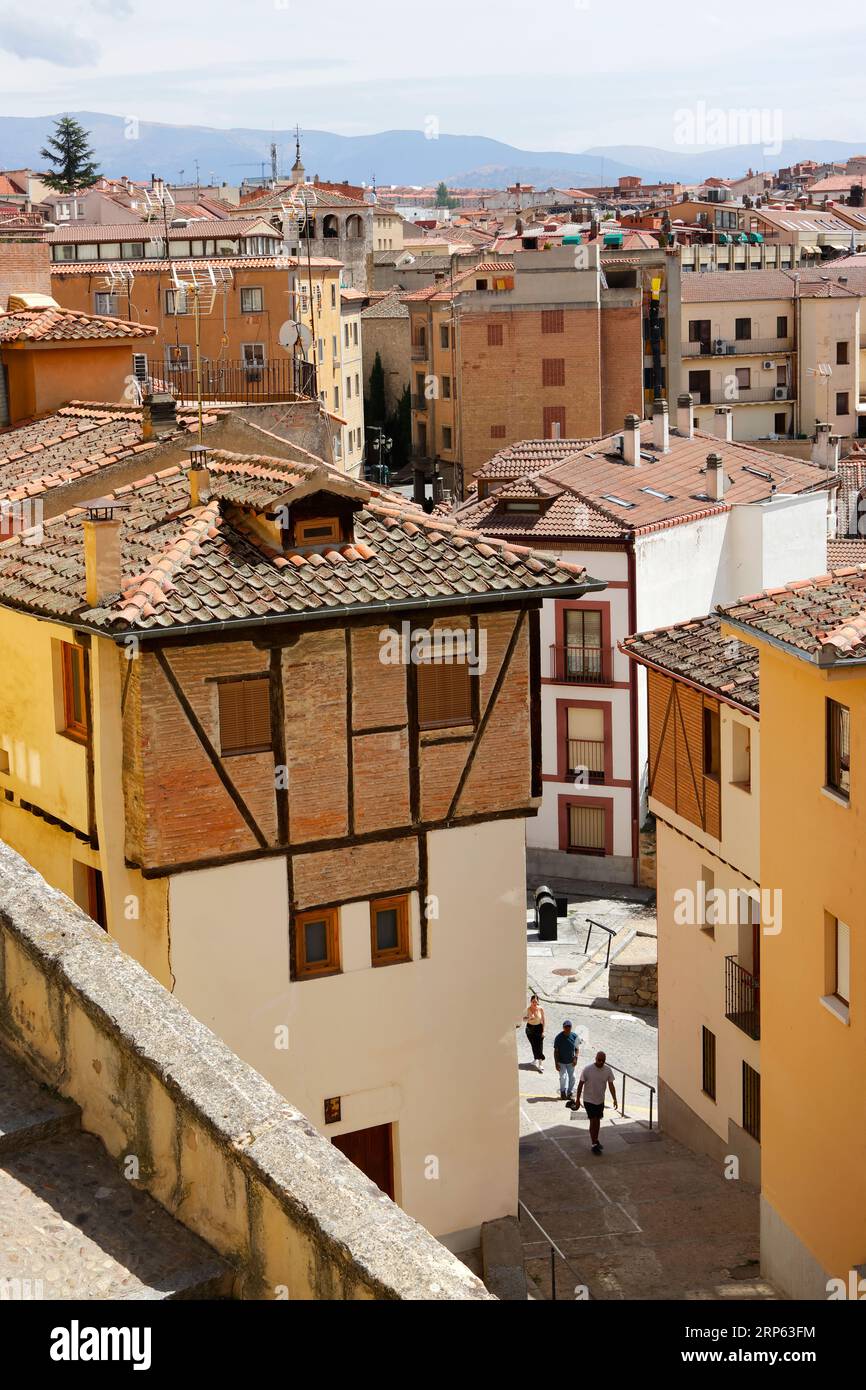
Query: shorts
{"type": "Point", "coordinates": [594, 1112]}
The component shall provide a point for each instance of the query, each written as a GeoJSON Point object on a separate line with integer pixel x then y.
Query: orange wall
{"type": "Point", "coordinates": [42, 379]}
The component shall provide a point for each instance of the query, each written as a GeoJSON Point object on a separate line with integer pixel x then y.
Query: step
{"type": "Point", "coordinates": [72, 1225]}
{"type": "Point", "coordinates": [29, 1112]}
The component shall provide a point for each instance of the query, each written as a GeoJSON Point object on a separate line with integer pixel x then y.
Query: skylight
{"type": "Point", "coordinates": [618, 501]}
{"type": "Point", "coordinates": [654, 492]}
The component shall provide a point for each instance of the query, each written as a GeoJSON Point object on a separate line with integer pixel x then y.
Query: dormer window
{"type": "Point", "coordinates": [523, 507]}
{"type": "Point", "coordinates": [317, 531]}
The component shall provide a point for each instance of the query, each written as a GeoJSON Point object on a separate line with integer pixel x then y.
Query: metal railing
{"type": "Point", "coordinates": [627, 1076]}
{"type": "Point", "coordinates": [746, 394]}
{"type": "Point", "coordinates": [419, 402]}
{"type": "Point", "coordinates": [599, 926]}
{"type": "Point", "coordinates": [736, 346]}
{"type": "Point", "coordinates": [418, 352]}
{"type": "Point", "coordinates": [581, 665]}
{"type": "Point", "coordinates": [742, 998]}
{"type": "Point", "coordinates": [283, 379]}
{"type": "Point", "coordinates": [555, 1253]}
{"type": "Point", "coordinates": [587, 754]}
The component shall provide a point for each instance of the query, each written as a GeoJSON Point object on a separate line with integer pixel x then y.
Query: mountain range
{"type": "Point", "coordinates": [392, 156]}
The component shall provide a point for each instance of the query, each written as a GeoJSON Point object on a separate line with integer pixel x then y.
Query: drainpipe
{"type": "Point", "coordinates": [796, 373]}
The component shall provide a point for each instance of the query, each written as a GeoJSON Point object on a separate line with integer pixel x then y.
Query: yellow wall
{"type": "Point", "coordinates": [813, 1065]}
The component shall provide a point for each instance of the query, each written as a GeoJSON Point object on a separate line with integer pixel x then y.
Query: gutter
{"type": "Point", "coordinates": [403, 605]}
{"type": "Point", "coordinates": [788, 647]}
{"type": "Point", "coordinates": [683, 680]}
{"type": "Point", "coordinates": [633, 720]}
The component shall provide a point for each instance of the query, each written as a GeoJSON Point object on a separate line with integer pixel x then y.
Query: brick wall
{"type": "Point", "coordinates": [621, 365]}
{"type": "Point", "coordinates": [24, 266]}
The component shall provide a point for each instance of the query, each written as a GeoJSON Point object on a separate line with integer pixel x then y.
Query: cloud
{"type": "Point", "coordinates": [52, 43]}
{"type": "Point", "coordinates": [119, 9]}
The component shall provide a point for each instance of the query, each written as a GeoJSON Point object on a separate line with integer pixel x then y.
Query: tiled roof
{"type": "Point", "coordinates": [66, 325]}
{"type": "Point", "coordinates": [318, 195]}
{"type": "Point", "coordinates": [389, 306]}
{"type": "Point", "coordinates": [823, 618]}
{"type": "Point", "coordinates": [568, 518]}
{"type": "Point", "coordinates": [848, 550]}
{"type": "Point", "coordinates": [529, 455]}
{"type": "Point", "coordinates": [194, 566]}
{"type": "Point", "coordinates": [697, 651]}
{"type": "Point", "coordinates": [665, 490]}
{"type": "Point", "coordinates": [198, 229]}
{"type": "Point", "coordinates": [160, 265]}
{"type": "Point", "coordinates": [720, 285]}
{"type": "Point", "coordinates": [69, 444]}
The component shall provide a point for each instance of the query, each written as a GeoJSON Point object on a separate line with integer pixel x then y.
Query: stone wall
{"type": "Point", "coordinates": [634, 983]}
{"type": "Point", "coordinates": [214, 1142]}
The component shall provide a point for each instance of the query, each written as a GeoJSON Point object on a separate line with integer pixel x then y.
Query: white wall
{"type": "Point", "coordinates": [427, 1046]}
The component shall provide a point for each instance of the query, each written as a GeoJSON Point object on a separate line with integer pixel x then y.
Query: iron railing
{"type": "Point", "coordinates": [581, 665]}
{"type": "Point", "coordinates": [734, 347]}
{"type": "Point", "coordinates": [581, 1289]}
{"type": "Point", "coordinates": [586, 755]}
{"type": "Point", "coordinates": [742, 998]}
{"type": "Point", "coordinates": [282, 379]}
{"type": "Point", "coordinates": [744, 395]}
{"type": "Point", "coordinates": [598, 926]}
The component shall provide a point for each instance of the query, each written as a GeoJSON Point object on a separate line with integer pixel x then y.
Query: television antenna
{"type": "Point", "coordinates": [199, 285]}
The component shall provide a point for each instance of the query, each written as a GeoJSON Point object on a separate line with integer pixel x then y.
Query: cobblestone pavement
{"type": "Point", "coordinates": [647, 1219]}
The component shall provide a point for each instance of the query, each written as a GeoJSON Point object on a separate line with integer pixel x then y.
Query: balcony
{"type": "Point", "coordinates": [586, 759]}
{"type": "Point", "coordinates": [739, 347]}
{"type": "Point", "coordinates": [742, 998]}
{"type": "Point", "coordinates": [581, 665]}
{"type": "Point", "coordinates": [418, 402]}
{"type": "Point", "coordinates": [247, 383]}
{"type": "Point", "coordinates": [745, 395]}
{"type": "Point", "coordinates": [419, 352]}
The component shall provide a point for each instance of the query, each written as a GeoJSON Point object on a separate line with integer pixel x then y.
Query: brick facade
{"type": "Point", "coordinates": [25, 267]}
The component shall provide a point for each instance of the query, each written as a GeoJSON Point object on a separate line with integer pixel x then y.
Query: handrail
{"type": "Point", "coordinates": [611, 933]}
{"type": "Point", "coordinates": [554, 1251]}
{"type": "Point", "coordinates": [627, 1076]}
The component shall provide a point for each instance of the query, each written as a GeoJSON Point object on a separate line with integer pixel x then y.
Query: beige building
{"type": "Point", "coordinates": [704, 793]}
{"type": "Point", "coordinates": [351, 404]}
{"type": "Point", "coordinates": [775, 353]}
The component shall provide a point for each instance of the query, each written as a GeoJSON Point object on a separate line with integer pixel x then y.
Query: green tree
{"type": "Point", "coordinates": [399, 427]}
{"type": "Point", "coordinates": [443, 197]}
{"type": "Point", "coordinates": [69, 151]}
{"type": "Point", "coordinates": [375, 409]}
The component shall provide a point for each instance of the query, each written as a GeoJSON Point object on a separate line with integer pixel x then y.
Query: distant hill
{"type": "Point", "coordinates": [392, 156]}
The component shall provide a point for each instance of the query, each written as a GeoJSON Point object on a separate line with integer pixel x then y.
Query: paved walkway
{"type": "Point", "coordinates": [647, 1219]}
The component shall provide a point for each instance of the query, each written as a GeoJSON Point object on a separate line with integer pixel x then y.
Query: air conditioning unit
{"type": "Point", "coordinates": [780, 393]}
{"type": "Point", "coordinates": [767, 366]}
{"type": "Point", "coordinates": [719, 347]}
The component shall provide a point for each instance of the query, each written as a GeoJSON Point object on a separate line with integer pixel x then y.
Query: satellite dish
{"type": "Point", "coordinates": [288, 335]}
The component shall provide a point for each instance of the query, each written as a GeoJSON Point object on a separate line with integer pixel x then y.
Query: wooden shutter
{"type": "Point", "coordinates": [586, 828]}
{"type": "Point", "coordinates": [245, 715]}
{"type": "Point", "coordinates": [552, 321]}
{"type": "Point", "coordinates": [444, 694]}
{"type": "Point", "coordinates": [553, 371]}
{"type": "Point", "coordinates": [554, 416]}
{"type": "Point", "coordinates": [494, 335]}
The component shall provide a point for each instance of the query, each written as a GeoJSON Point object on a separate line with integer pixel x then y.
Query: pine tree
{"type": "Point", "coordinates": [68, 150]}
{"type": "Point", "coordinates": [375, 408]}
{"type": "Point", "coordinates": [443, 197]}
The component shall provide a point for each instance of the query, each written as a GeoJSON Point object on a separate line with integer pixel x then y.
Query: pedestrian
{"type": "Point", "coordinates": [565, 1053]}
{"type": "Point", "coordinates": [534, 1020]}
{"type": "Point", "coordinates": [593, 1080]}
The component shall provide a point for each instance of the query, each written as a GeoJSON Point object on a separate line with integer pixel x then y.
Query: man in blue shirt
{"type": "Point", "coordinates": [565, 1053]}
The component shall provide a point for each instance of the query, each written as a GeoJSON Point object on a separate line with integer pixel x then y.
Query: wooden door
{"type": "Point", "coordinates": [371, 1150]}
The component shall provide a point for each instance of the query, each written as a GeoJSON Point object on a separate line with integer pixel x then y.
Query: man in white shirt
{"type": "Point", "coordinates": [593, 1080]}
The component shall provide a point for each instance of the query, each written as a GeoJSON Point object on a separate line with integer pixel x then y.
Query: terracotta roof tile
{"type": "Point", "coordinates": [823, 618]}
{"type": "Point", "coordinates": [697, 651]}
{"type": "Point", "coordinates": [66, 325]}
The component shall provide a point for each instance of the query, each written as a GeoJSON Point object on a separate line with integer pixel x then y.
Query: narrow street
{"type": "Point", "coordinates": [647, 1219]}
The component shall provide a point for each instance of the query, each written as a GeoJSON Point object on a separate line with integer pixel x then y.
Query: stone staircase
{"type": "Point", "coordinates": [71, 1225]}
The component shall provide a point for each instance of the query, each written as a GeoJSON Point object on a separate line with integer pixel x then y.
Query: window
{"type": "Point", "coordinates": [585, 750]}
{"type": "Point", "coordinates": [176, 302]}
{"type": "Point", "coordinates": [389, 931]}
{"type": "Point", "coordinates": [333, 296]}
{"type": "Point", "coordinates": [105, 304]}
{"type": "Point", "coordinates": [446, 437]}
{"type": "Point", "coordinates": [840, 961]}
{"type": "Point", "coordinates": [741, 755]}
{"type": "Point", "coordinates": [244, 715]}
{"type": "Point", "coordinates": [780, 422]}
{"type": "Point", "coordinates": [841, 354]}
{"type": "Point", "coordinates": [583, 653]}
{"type": "Point", "coordinates": [782, 326]}
{"type": "Point", "coordinates": [842, 406]}
{"type": "Point", "coordinates": [742, 329]}
{"type": "Point", "coordinates": [74, 704]}
{"type": "Point", "coordinates": [446, 388]}
{"type": "Point", "coordinates": [357, 384]}
{"type": "Point", "coordinates": [497, 431]}
{"type": "Point", "coordinates": [317, 530]}
{"type": "Point", "coordinates": [554, 421]}
{"type": "Point", "coordinates": [707, 908]}
{"type": "Point", "coordinates": [586, 829]}
{"type": "Point", "coordinates": [64, 253]}
{"type": "Point", "coordinates": [744, 378]}
{"type": "Point", "coordinates": [336, 398]}
{"type": "Point", "coordinates": [751, 1102]}
{"type": "Point", "coordinates": [444, 336]}
{"type": "Point", "coordinates": [700, 332]}
{"type": "Point", "coordinates": [348, 388]}
{"type": "Point", "coordinates": [444, 694]}
{"type": "Point", "coordinates": [346, 334]}
{"type": "Point", "coordinates": [711, 742]}
{"type": "Point", "coordinates": [839, 748]}
{"type": "Point", "coordinates": [708, 1063]}
{"type": "Point", "coordinates": [251, 301]}
{"type": "Point", "coordinates": [253, 357]}
{"type": "Point", "coordinates": [781, 376]}
{"type": "Point", "coordinates": [553, 371]}
{"type": "Point", "coordinates": [355, 333]}
{"type": "Point", "coordinates": [317, 942]}
{"type": "Point", "coordinates": [553, 321]}
{"type": "Point", "coordinates": [494, 335]}
{"type": "Point", "coordinates": [88, 891]}
{"type": "Point", "coordinates": [177, 357]}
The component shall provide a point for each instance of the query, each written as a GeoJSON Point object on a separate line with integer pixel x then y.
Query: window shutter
{"type": "Point", "coordinates": [553, 371]}
{"type": "Point", "coordinates": [245, 715]}
{"type": "Point", "coordinates": [586, 827]}
{"type": "Point", "coordinates": [444, 694]}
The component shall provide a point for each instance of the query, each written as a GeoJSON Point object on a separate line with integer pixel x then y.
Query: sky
{"type": "Point", "coordinates": [568, 75]}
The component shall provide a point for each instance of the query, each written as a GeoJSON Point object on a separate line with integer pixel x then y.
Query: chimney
{"type": "Point", "coordinates": [631, 441]}
{"type": "Point", "coordinates": [716, 481]}
{"type": "Point", "coordinates": [825, 448]}
{"type": "Point", "coordinates": [661, 427]}
{"type": "Point", "coordinates": [101, 551]}
{"type": "Point", "coordinates": [723, 423]}
{"type": "Point", "coordinates": [199, 477]}
{"type": "Point", "coordinates": [685, 416]}
{"type": "Point", "coordinates": [146, 416]}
